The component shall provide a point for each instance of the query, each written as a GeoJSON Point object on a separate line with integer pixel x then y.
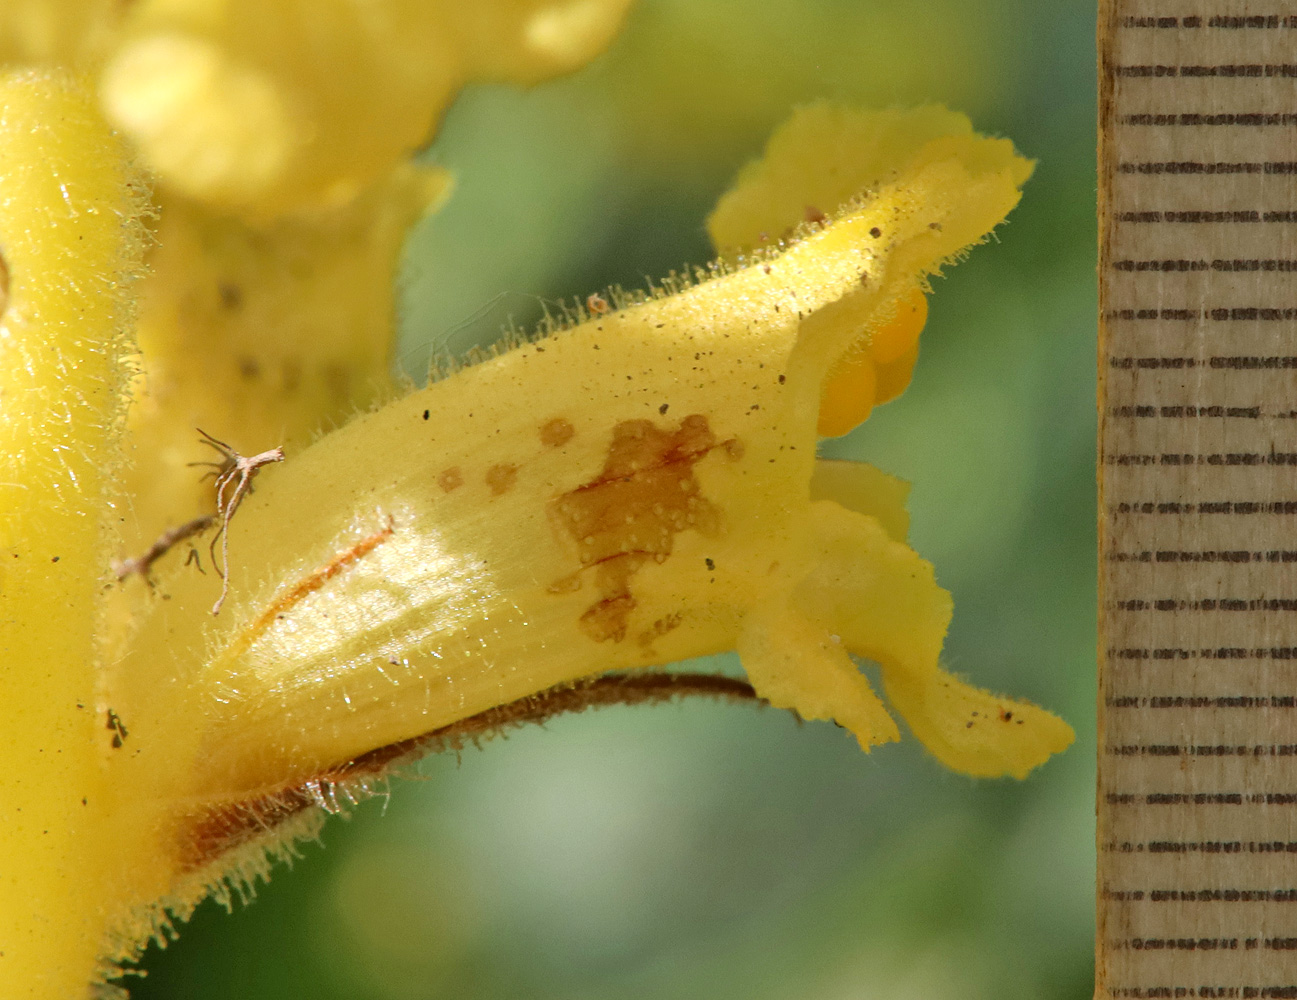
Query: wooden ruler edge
{"type": "Point", "coordinates": [1106, 31]}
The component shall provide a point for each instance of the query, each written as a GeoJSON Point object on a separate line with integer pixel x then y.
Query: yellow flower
{"type": "Point", "coordinates": [638, 486]}
{"type": "Point", "coordinates": [267, 108]}
{"type": "Point", "coordinates": [278, 136]}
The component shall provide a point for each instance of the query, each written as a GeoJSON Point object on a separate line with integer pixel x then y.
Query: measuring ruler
{"type": "Point", "coordinates": [1198, 500]}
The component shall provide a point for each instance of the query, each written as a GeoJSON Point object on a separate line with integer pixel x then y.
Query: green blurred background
{"type": "Point", "coordinates": [718, 851]}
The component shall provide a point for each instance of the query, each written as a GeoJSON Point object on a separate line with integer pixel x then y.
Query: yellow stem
{"type": "Point", "coordinates": [71, 245]}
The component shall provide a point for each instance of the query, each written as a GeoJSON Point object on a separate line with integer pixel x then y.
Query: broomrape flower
{"type": "Point", "coordinates": [636, 486]}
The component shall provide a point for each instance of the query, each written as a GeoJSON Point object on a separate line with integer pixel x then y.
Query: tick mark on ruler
{"type": "Point", "coordinates": [1198, 217]}
{"type": "Point", "coordinates": [1219, 314]}
{"type": "Point", "coordinates": [1181, 411]}
{"type": "Point", "coordinates": [1161, 168]}
{"type": "Point", "coordinates": [1242, 507]}
{"type": "Point", "coordinates": [1227, 21]}
{"type": "Point", "coordinates": [1207, 556]}
{"type": "Point", "coordinates": [1174, 751]}
{"type": "Point", "coordinates": [1208, 70]}
{"type": "Point", "coordinates": [1247, 459]}
{"type": "Point", "coordinates": [1282, 265]}
{"type": "Point", "coordinates": [1190, 118]}
{"type": "Point", "coordinates": [1236, 362]}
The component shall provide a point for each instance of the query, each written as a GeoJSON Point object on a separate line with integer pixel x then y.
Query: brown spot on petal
{"type": "Point", "coordinates": [556, 433]}
{"type": "Point", "coordinates": [659, 628]}
{"type": "Point", "coordinates": [631, 512]}
{"type": "Point", "coordinates": [337, 378]}
{"type": "Point", "coordinates": [501, 478]}
{"type": "Point", "coordinates": [117, 728]}
{"type": "Point", "coordinates": [450, 479]}
{"type": "Point", "coordinates": [231, 295]}
{"type": "Point", "coordinates": [566, 585]}
{"type": "Point", "coordinates": [606, 619]}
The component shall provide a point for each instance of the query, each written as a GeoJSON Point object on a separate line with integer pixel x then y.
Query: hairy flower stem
{"type": "Point", "coordinates": [225, 827]}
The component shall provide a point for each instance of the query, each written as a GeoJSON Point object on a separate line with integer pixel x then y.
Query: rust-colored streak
{"type": "Point", "coordinates": [500, 478]}
{"type": "Point", "coordinates": [556, 433]}
{"type": "Point", "coordinates": [631, 512]}
{"type": "Point", "coordinates": [209, 833]}
{"type": "Point", "coordinates": [450, 479]}
{"type": "Point", "coordinates": [308, 585]}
